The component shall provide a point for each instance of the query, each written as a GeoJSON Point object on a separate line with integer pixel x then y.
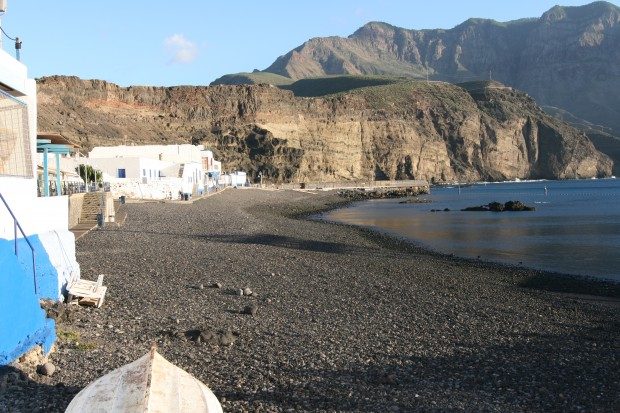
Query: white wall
{"type": "Point", "coordinates": [193, 177]}
{"type": "Point", "coordinates": [46, 217]}
{"type": "Point", "coordinates": [166, 188]}
{"type": "Point", "coordinates": [134, 167]}
{"type": "Point", "coordinates": [238, 179]}
{"type": "Point", "coordinates": [35, 214]}
{"type": "Point", "coordinates": [14, 74]}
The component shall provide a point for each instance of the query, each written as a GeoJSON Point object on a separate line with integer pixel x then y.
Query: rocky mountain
{"type": "Point", "coordinates": [435, 131]}
{"type": "Point", "coordinates": [568, 58]}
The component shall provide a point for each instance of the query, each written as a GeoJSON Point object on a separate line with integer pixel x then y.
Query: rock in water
{"type": "Point", "coordinates": [499, 207]}
{"type": "Point", "coordinates": [517, 206]}
{"type": "Point", "coordinates": [496, 207]}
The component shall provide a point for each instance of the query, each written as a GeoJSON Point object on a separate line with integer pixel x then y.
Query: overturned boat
{"type": "Point", "coordinates": [149, 384]}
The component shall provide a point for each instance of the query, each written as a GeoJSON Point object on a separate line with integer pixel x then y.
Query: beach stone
{"type": "Point", "coordinates": [217, 285]}
{"type": "Point", "coordinates": [250, 309]}
{"type": "Point", "coordinates": [201, 287]}
{"type": "Point", "coordinates": [247, 291]}
{"type": "Point", "coordinates": [46, 369]}
{"type": "Point", "coordinates": [227, 338]}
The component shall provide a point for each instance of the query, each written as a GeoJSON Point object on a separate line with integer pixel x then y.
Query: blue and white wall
{"type": "Point", "coordinates": [23, 324]}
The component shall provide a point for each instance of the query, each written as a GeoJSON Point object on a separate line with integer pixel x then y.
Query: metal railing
{"type": "Point", "coordinates": [15, 227]}
{"type": "Point", "coordinates": [68, 188]}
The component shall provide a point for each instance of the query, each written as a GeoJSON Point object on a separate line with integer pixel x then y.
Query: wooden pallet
{"type": "Point", "coordinates": [87, 292]}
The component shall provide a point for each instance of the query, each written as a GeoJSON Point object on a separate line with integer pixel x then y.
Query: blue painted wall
{"type": "Point", "coordinates": [22, 321]}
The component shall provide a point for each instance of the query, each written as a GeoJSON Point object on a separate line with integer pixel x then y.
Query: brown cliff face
{"type": "Point", "coordinates": [435, 131]}
{"type": "Point", "coordinates": [568, 58]}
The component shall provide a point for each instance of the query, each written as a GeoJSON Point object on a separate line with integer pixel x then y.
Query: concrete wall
{"type": "Point", "coordinates": [167, 188]}
{"type": "Point", "coordinates": [75, 209]}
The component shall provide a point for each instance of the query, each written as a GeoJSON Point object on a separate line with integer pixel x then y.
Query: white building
{"type": "Point", "coordinates": [37, 263]}
{"type": "Point", "coordinates": [236, 179]}
{"type": "Point", "coordinates": [155, 171]}
{"type": "Point", "coordinates": [144, 169]}
{"type": "Point", "coordinates": [172, 153]}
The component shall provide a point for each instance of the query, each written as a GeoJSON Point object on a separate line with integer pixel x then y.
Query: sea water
{"type": "Point", "coordinates": [575, 228]}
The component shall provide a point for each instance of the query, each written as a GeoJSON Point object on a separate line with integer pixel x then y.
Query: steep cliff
{"type": "Point", "coordinates": [568, 58]}
{"type": "Point", "coordinates": [435, 131]}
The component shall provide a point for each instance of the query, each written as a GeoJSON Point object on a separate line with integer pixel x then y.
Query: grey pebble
{"type": "Point", "coordinates": [250, 309]}
{"type": "Point", "coordinates": [46, 369]}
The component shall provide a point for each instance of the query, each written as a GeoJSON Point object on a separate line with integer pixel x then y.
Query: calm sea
{"type": "Point", "coordinates": [574, 230]}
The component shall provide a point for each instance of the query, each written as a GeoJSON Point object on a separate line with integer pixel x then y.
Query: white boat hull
{"type": "Point", "coordinates": [149, 384]}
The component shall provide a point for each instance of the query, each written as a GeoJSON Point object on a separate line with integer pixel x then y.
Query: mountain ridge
{"type": "Point", "coordinates": [569, 57]}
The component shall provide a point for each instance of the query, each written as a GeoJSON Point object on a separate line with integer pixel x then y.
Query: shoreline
{"type": "Point", "coordinates": [552, 280]}
{"type": "Point", "coordinates": [582, 275]}
{"type": "Point", "coordinates": [348, 319]}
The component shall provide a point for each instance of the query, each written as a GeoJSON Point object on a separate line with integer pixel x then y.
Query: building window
{"type": "Point", "coordinates": [121, 173]}
{"type": "Point", "coordinates": [144, 173]}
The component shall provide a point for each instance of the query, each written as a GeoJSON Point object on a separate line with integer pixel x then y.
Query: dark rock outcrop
{"type": "Point", "coordinates": [515, 206]}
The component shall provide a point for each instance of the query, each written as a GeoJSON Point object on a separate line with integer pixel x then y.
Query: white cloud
{"type": "Point", "coordinates": [182, 50]}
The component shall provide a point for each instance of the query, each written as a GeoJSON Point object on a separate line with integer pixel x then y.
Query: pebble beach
{"type": "Point", "coordinates": [277, 311]}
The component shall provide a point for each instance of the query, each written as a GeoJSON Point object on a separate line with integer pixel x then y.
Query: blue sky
{"type": "Point", "coordinates": [192, 42]}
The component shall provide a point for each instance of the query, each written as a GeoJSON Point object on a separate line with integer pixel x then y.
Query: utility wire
{"type": "Point", "coordinates": [9, 37]}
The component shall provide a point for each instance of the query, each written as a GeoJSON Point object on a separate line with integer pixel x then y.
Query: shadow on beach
{"type": "Point", "coordinates": [572, 285]}
{"type": "Point", "coordinates": [260, 239]}
{"type": "Point", "coordinates": [17, 391]}
{"type": "Point", "coordinates": [284, 242]}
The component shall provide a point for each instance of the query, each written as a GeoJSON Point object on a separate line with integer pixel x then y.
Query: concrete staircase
{"type": "Point", "coordinates": [91, 207]}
